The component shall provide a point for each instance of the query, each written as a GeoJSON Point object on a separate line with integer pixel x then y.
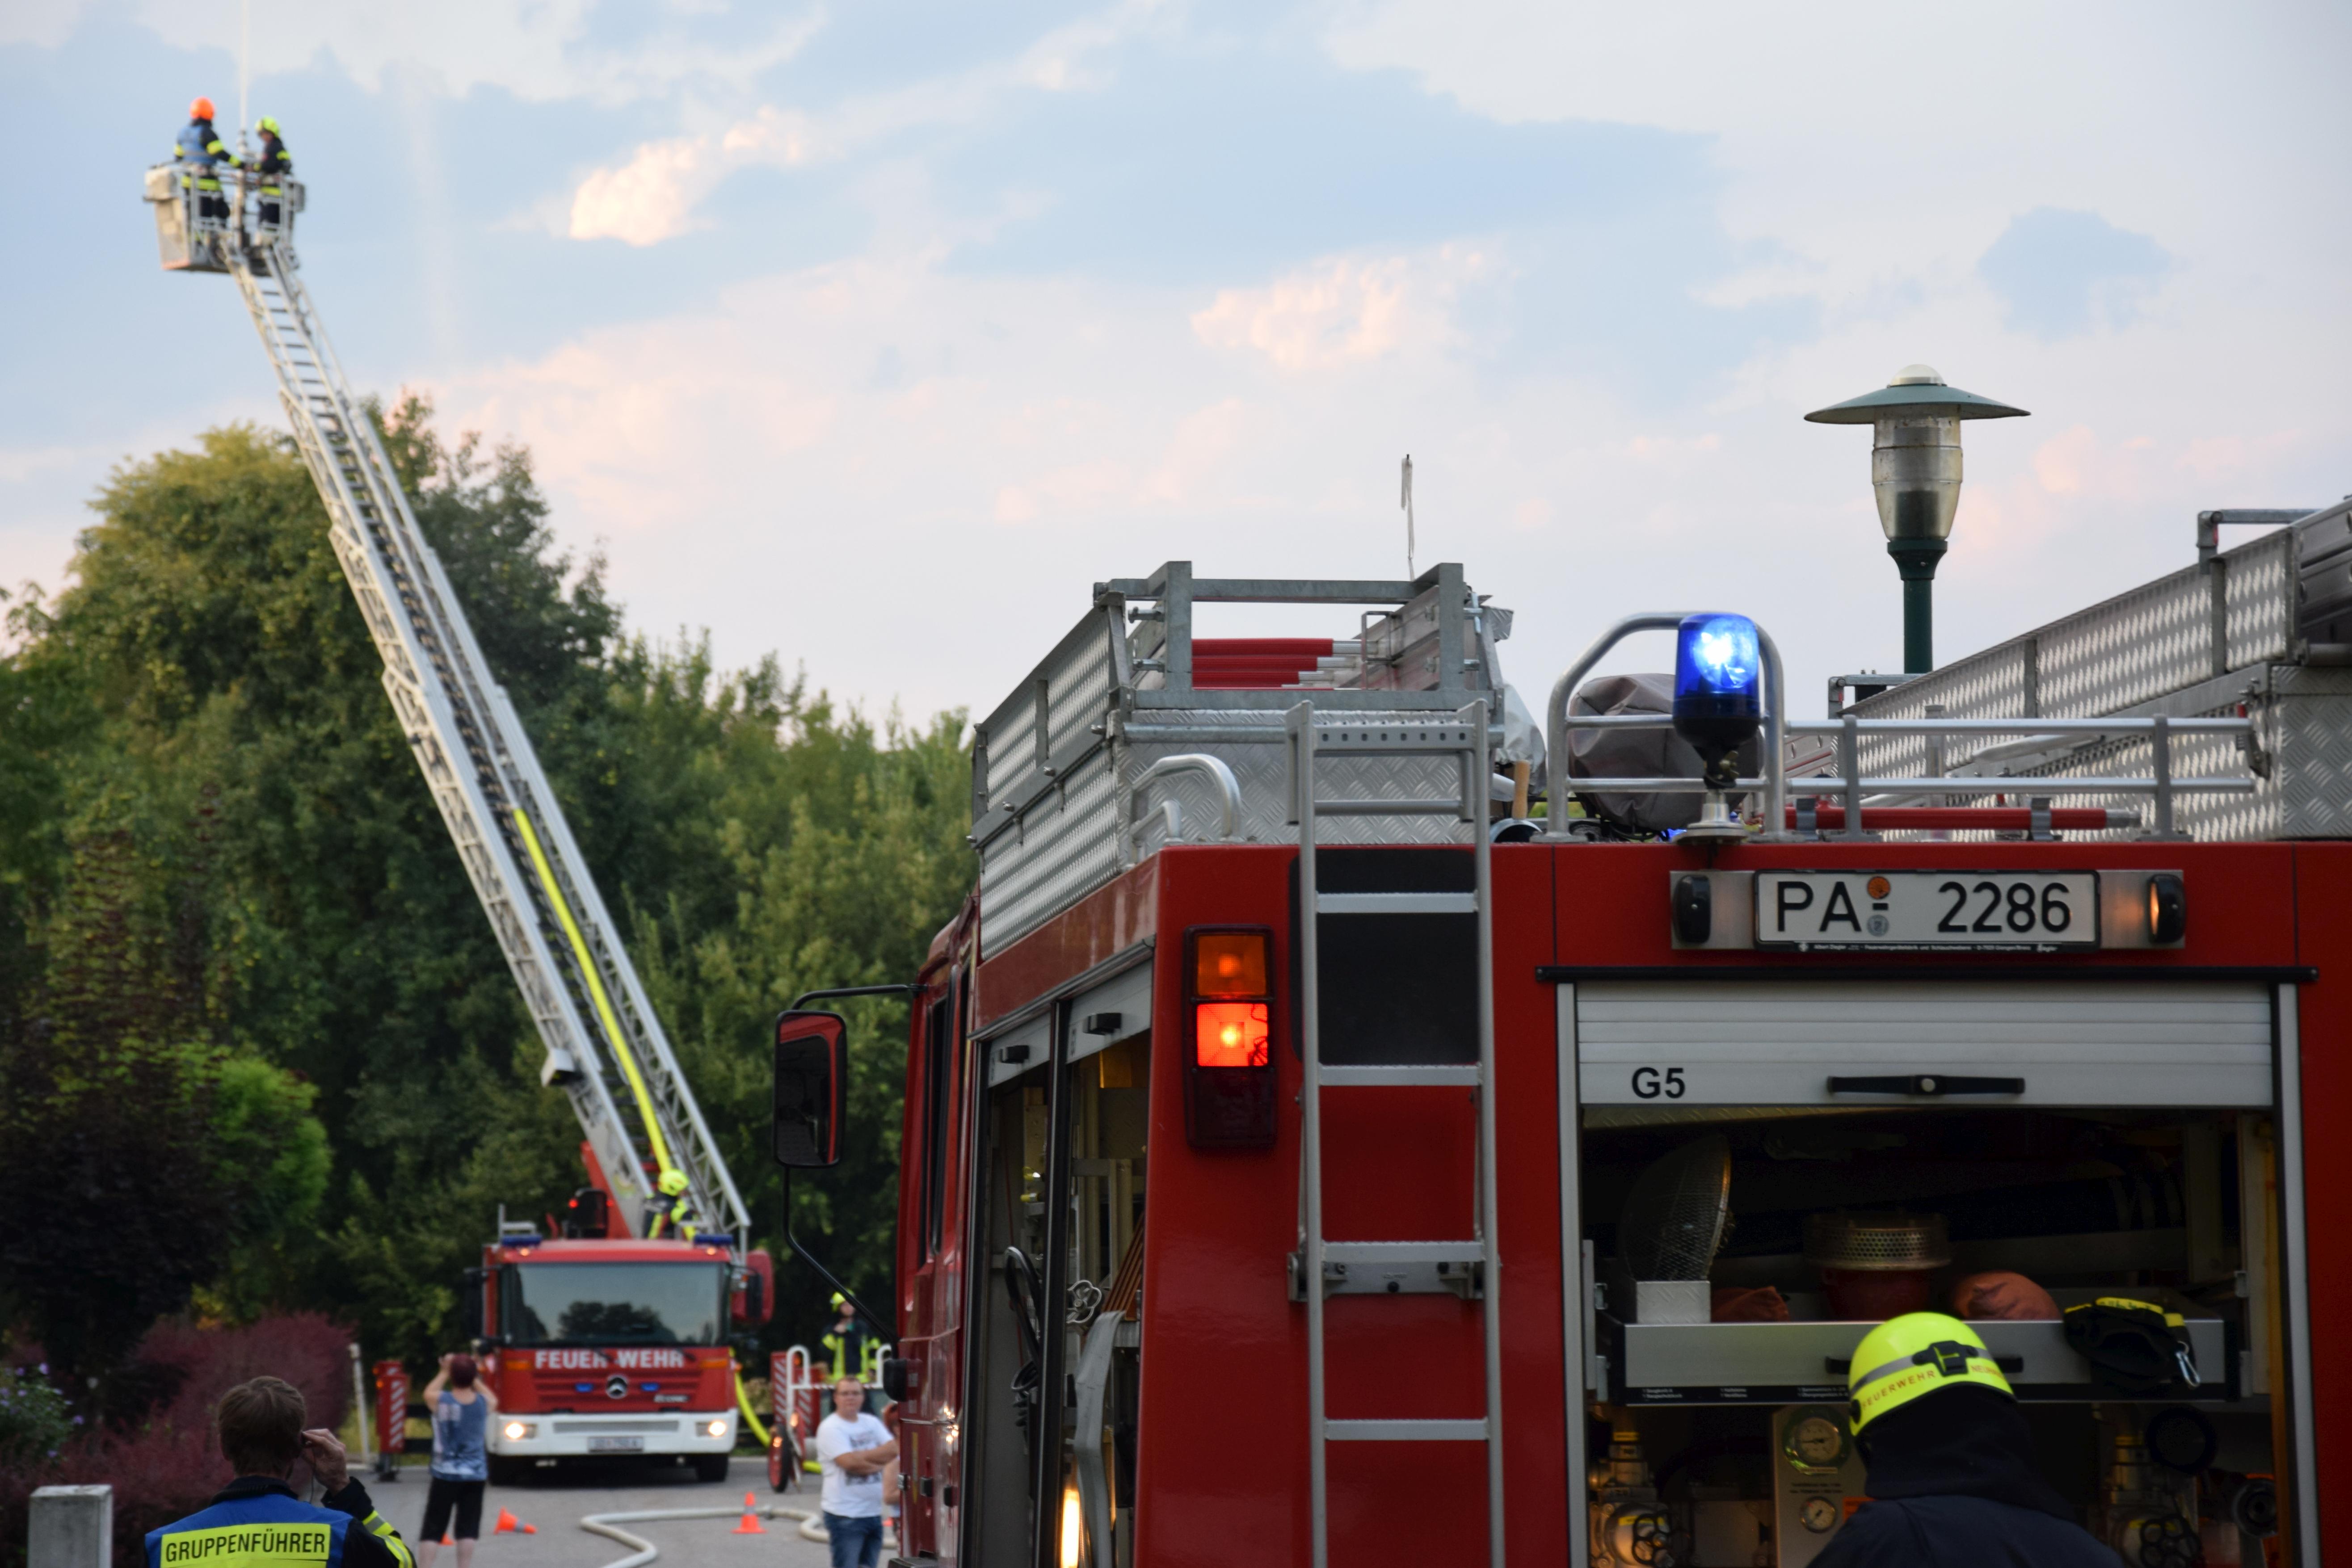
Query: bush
{"type": "Point", "coordinates": [35, 1420]}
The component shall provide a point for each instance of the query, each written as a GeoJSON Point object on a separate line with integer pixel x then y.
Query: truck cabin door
{"type": "Point", "coordinates": [1057, 1222]}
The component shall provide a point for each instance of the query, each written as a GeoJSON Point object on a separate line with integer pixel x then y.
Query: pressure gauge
{"type": "Point", "coordinates": [1819, 1515]}
{"type": "Point", "coordinates": [1815, 1442]}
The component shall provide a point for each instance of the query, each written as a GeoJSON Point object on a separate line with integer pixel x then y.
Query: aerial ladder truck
{"type": "Point", "coordinates": [610, 1339]}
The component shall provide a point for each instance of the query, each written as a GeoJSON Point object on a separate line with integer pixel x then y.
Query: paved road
{"type": "Point", "coordinates": [555, 1506]}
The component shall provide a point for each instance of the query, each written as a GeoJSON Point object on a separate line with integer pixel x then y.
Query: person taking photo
{"type": "Point", "coordinates": [462, 1411]}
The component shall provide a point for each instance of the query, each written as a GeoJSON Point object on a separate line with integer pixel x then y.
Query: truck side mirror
{"type": "Point", "coordinates": [811, 1089]}
{"type": "Point", "coordinates": [469, 1311]}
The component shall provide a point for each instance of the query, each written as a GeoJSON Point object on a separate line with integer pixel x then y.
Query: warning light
{"type": "Point", "coordinates": [1230, 1034]}
{"type": "Point", "coordinates": [1229, 1074]}
{"type": "Point", "coordinates": [1229, 963]}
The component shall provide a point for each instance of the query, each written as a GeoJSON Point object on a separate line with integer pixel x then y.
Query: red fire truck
{"type": "Point", "coordinates": [610, 1347]}
{"type": "Point", "coordinates": [1309, 1157]}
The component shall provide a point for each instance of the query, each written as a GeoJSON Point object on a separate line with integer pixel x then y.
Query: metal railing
{"type": "Point", "coordinates": [1558, 722]}
{"type": "Point", "coordinates": [1847, 779]}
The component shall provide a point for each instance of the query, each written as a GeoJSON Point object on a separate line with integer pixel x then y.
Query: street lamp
{"type": "Point", "coordinates": [1914, 466]}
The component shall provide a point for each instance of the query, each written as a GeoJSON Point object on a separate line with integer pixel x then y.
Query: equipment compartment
{"type": "Point", "coordinates": [1727, 1440]}
{"type": "Point", "coordinates": [1804, 1361]}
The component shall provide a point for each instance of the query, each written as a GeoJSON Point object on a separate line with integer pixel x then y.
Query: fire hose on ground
{"type": "Point", "coordinates": [643, 1551]}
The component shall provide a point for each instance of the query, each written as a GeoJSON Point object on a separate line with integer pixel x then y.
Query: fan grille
{"type": "Point", "coordinates": [1884, 1240]}
{"type": "Point", "coordinates": [1674, 1219]}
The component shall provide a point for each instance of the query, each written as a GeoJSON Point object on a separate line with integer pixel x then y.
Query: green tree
{"type": "Point", "coordinates": [104, 1103]}
{"type": "Point", "coordinates": [206, 670]}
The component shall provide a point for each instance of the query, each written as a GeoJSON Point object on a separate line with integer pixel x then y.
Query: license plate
{"type": "Point", "coordinates": [2014, 911]}
{"type": "Point", "coordinates": [617, 1445]}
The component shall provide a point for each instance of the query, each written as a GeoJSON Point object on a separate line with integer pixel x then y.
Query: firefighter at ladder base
{"type": "Point", "coordinates": [1951, 1468]}
{"type": "Point", "coordinates": [257, 1519]}
{"type": "Point", "coordinates": [200, 148]}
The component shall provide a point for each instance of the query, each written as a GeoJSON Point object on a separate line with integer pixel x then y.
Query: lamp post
{"type": "Point", "coordinates": [1914, 466]}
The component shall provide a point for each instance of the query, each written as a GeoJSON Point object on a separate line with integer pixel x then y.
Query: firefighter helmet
{"type": "Point", "coordinates": [1916, 1354]}
{"type": "Point", "coordinates": [672, 1183]}
{"type": "Point", "coordinates": [268, 124]}
{"type": "Point", "coordinates": [201, 110]}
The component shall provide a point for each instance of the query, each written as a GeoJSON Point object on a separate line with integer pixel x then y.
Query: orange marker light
{"type": "Point", "coordinates": [1229, 963]}
{"type": "Point", "coordinates": [1229, 1074]}
{"type": "Point", "coordinates": [1230, 1034]}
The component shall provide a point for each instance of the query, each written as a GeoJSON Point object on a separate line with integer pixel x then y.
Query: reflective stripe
{"type": "Point", "coordinates": [381, 1528]}
{"type": "Point", "coordinates": [228, 1545]}
{"type": "Point", "coordinates": [1856, 1384]}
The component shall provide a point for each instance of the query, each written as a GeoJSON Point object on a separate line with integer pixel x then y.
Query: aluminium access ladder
{"type": "Point", "coordinates": [1322, 1265]}
{"type": "Point", "coordinates": [600, 1030]}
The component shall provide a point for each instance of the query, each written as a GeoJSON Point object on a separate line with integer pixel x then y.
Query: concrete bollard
{"type": "Point", "coordinates": [73, 1527]}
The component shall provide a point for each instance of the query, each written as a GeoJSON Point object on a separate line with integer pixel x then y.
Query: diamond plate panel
{"type": "Point", "coordinates": [2310, 725]}
{"type": "Point", "coordinates": [1992, 684]}
{"type": "Point", "coordinates": [2258, 600]}
{"type": "Point", "coordinates": [2154, 639]}
{"type": "Point", "coordinates": [1262, 769]}
{"type": "Point", "coordinates": [1062, 851]}
{"type": "Point", "coordinates": [2131, 652]}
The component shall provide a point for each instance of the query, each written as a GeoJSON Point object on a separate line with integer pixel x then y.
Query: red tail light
{"type": "Point", "coordinates": [1229, 1085]}
{"type": "Point", "coordinates": [1230, 1034]}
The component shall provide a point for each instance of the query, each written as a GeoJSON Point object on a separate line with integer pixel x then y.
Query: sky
{"type": "Point", "coordinates": [872, 335]}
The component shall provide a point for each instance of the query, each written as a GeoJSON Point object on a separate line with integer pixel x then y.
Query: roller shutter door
{"type": "Point", "coordinates": [1707, 1042]}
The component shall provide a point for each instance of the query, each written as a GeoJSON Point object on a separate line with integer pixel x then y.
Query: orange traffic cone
{"type": "Point", "coordinates": [507, 1523]}
{"type": "Point", "coordinates": [530, 1530]}
{"type": "Point", "coordinates": [750, 1525]}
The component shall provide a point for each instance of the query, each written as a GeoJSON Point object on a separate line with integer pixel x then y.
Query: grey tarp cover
{"type": "Point", "coordinates": [1638, 754]}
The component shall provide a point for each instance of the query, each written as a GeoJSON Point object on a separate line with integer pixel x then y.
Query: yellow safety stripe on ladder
{"type": "Point", "coordinates": [597, 992]}
{"type": "Point", "coordinates": [743, 1402]}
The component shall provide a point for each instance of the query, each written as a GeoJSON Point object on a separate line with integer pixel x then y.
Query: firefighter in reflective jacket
{"type": "Point", "coordinates": [198, 145]}
{"type": "Point", "coordinates": [275, 166]}
{"type": "Point", "coordinates": [256, 1521]}
{"type": "Point", "coordinates": [677, 1206]}
{"type": "Point", "coordinates": [1952, 1479]}
{"type": "Point", "coordinates": [853, 1352]}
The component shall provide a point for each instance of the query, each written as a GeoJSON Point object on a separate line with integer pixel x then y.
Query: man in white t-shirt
{"type": "Point", "coordinates": [852, 1447]}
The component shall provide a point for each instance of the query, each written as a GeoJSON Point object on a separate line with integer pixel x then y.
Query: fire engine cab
{"type": "Point", "coordinates": [1311, 1156]}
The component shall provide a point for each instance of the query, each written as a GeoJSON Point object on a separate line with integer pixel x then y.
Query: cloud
{"type": "Point", "coordinates": [654, 195]}
{"type": "Point", "coordinates": [1874, 158]}
{"type": "Point", "coordinates": [44, 24]}
{"type": "Point", "coordinates": [1341, 311]}
{"type": "Point", "coordinates": [2062, 273]}
{"type": "Point", "coordinates": [541, 51]}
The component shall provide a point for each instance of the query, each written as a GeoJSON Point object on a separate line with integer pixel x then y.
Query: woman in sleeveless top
{"type": "Point", "coordinates": [462, 1409]}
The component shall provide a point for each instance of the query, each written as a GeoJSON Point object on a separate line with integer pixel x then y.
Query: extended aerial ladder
{"type": "Point", "coordinates": [605, 1044]}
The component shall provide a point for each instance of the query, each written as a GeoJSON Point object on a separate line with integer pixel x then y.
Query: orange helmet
{"type": "Point", "coordinates": [201, 110]}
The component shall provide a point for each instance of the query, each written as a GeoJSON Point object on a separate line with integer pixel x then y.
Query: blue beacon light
{"type": "Point", "coordinates": [1718, 682]}
{"type": "Point", "coordinates": [1718, 708]}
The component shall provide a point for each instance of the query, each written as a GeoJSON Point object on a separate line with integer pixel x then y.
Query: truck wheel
{"type": "Point", "coordinates": [710, 1467]}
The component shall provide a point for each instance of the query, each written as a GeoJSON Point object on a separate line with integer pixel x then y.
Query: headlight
{"type": "Point", "coordinates": [518, 1430]}
{"type": "Point", "coordinates": [716, 1428]}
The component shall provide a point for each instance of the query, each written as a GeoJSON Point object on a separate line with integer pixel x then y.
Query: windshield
{"type": "Point", "coordinates": [614, 1303]}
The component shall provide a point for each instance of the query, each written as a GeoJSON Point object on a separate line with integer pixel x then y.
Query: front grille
{"type": "Point", "coordinates": [611, 1423]}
